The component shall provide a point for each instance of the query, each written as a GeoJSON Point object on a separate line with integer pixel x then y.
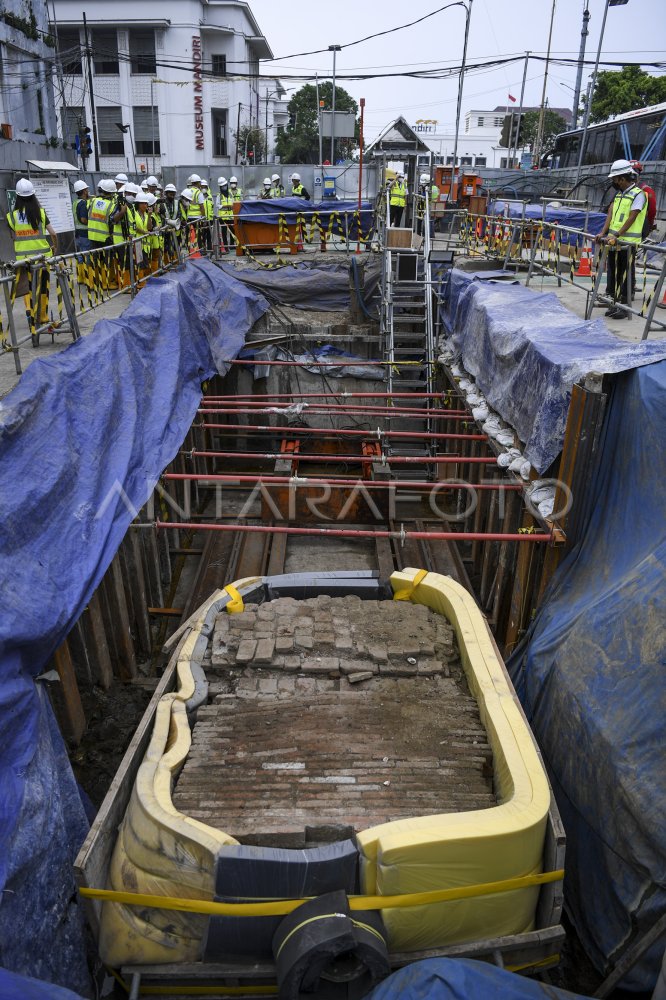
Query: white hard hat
{"type": "Point", "coordinates": [399, 175]}
{"type": "Point", "coordinates": [275, 177]}
{"type": "Point", "coordinates": [144, 185]}
{"type": "Point", "coordinates": [141, 197]}
{"type": "Point", "coordinates": [233, 180]}
{"type": "Point", "coordinates": [152, 200]}
{"type": "Point", "coordinates": [204, 182]}
{"type": "Point", "coordinates": [26, 188]}
{"type": "Point", "coordinates": [424, 178]}
{"type": "Point", "coordinates": [131, 187]}
{"type": "Point", "coordinates": [151, 181]}
{"type": "Point", "coordinates": [170, 187]}
{"type": "Point", "coordinates": [194, 179]}
{"type": "Point", "coordinates": [295, 176]}
{"type": "Point", "coordinates": [619, 167]}
{"type": "Point", "coordinates": [79, 186]}
{"type": "Point", "coordinates": [187, 194]}
{"type": "Point", "coordinates": [221, 181]}
{"type": "Point", "coordinates": [107, 185]}
{"type": "Point", "coordinates": [267, 182]}
{"type": "Point", "coordinates": [121, 178]}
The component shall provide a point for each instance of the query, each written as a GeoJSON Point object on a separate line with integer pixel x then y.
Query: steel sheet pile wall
{"type": "Point", "coordinates": [83, 439]}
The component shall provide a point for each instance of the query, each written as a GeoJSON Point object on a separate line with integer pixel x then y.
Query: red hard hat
{"type": "Point", "coordinates": [637, 165]}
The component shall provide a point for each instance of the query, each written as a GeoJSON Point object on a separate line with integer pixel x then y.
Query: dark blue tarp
{"type": "Point", "coordinates": [83, 440]}
{"type": "Point", "coordinates": [525, 350]}
{"type": "Point", "coordinates": [343, 212]}
{"type": "Point", "coordinates": [572, 218]}
{"type": "Point", "coordinates": [305, 286]}
{"type": "Point", "coordinates": [593, 682]}
{"type": "Point", "coordinates": [13, 987]}
{"type": "Point", "coordinates": [462, 979]}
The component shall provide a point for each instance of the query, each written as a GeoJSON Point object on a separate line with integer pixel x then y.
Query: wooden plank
{"type": "Point", "coordinates": [65, 697]}
{"type": "Point", "coordinates": [98, 646]}
{"type": "Point", "coordinates": [136, 584]}
{"type": "Point", "coordinates": [120, 621]}
{"type": "Point", "coordinates": [92, 862]}
{"type": "Point", "coordinates": [151, 566]}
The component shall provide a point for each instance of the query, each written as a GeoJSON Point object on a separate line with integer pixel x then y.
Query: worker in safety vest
{"type": "Point", "coordinates": [172, 221]}
{"type": "Point", "coordinates": [397, 199]}
{"type": "Point", "coordinates": [209, 214]}
{"type": "Point", "coordinates": [430, 193]}
{"type": "Point", "coordinates": [143, 221]}
{"type": "Point", "coordinates": [225, 213]}
{"type": "Point", "coordinates": [120, 181]}
{"type": "Point", "coordinates": [80, 210]}
{"type": "Point", "coordinates": [34, 236]}
{"type": "Point", "coordinates": [155, 239]}
{"type": "Point", "coordinates": [235, 191]}
{"type": "Point", "coordinates": [196, 211]}
{"type": "Point", "coordinates": [104, 211]}
{"type": "Point", "coordinates": [265, 193]}
{"type": "Point", "coordinates": [622, 233]}
{"type": "Point", "coordinates": [297, 189]}
{"type": "Point", "coordinates": [277, 188]}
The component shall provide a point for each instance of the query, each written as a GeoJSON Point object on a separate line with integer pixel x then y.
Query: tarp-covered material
{"type": "Point", "coordinates": [13, 987]}
{"type": "Point", "coordinates": [350, 366]}
{"type": "Point", "coordinates": [592, 679]}
{"type": "Point", "coordinates": [462, 979]}
{"type": "Point", "coordinates": [572, 218]}
{"type": "Point", "coordinates": [342, 213]}
{"type": "Point", "coordinates": [83, 439]}
{"type": "Point", "coordinates": [525, 350]}
{"type": "Point", "coordinates": [306, 286]}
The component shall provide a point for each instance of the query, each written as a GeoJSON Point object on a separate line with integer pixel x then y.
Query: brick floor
{"type": "Point", "coordinates": [368, 720]}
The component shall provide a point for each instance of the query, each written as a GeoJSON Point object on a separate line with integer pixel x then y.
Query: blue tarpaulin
{"type": "Point", "coordinates": [592, 678]}
{"type": "Point", "coordinates": [83, 439]}
{"type": "Point", "coordinates": [305, 286]}
{"type": "Point", "coordinates": [462, 979]}
{"type": "Point", "coordinates": [342, 213]}
{"type": "Point", "coordinates": [572, 218]}
{"type": "Point", "coordinates": [525, 350]}
{"type": "Point", "coordinates": [13, 987]}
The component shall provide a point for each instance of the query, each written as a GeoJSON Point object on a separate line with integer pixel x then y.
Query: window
{"type": "Point", "coordinates": [73, 119]}
{"type": "Point", "coordinates": [105, 51]}
{"type": "Point", "coordinates": [146, 131]}
{"type": "Point", "coordinates": [449, 161]}
{"type": "Point", "coordinates": [480, 161]}
{"type": "Point", "coordinates": [466, 161]}
{"type": "Point", "coordinates": [498, 122]}
{"type": "Point", "coordinates": [110, 138]}
{"type": "Point", "coordinates": [219, 65]}
{"type": "Point", "coordinates": [142, 52]}
{"type": "Point", "coordinates": [69, 50]}
{"type": "Point", "coordinates": [479, 122]}
{"type": "Point", "coordinates": [219, 123]}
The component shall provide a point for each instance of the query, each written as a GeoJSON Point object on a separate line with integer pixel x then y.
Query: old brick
{"type": "Point", "coordinates": [428, 668]}
{"type": "Point", "coordinates": [284, 644]}
{"type": "Point", "coordinates": [246, 650]}
{"type": "Point", "coordinates": [292, 663]}
{"type": "Point", "coordinates": [320, 664]}
{"type": "Point", "coordinates": [304, 640]}
{"type": "Point", "coordinates": [264, 651]}
{"type": "Point", "coordinates": [343, 642]}
{"type": "Point", "coordinates": [243, 621]}
{"type": "Point", "coordinates": [356, 665]}
{"type": "Point", "coordinates": [398, 668]}
{"type": "Point", "coordinates": [363, 675]}
{"type": "Point", "coordinates": [378, 653]}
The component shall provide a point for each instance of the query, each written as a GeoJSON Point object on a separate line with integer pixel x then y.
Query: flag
{"type": "Point", "coordinates": [512, 98]}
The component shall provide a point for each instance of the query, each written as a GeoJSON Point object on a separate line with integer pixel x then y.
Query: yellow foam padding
{"type": "Point", "coordinates": [457, 849]}
{"type": "Point", "coordinates": [160, 850]}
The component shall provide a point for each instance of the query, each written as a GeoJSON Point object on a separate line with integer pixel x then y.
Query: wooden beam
{"type": "Point", "coordinates": [65, 697]}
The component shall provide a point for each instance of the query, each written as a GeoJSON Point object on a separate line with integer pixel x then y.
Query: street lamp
{"type": "Point", "coordinates": [588, 104]}
{"type": "Point", "coordinates": [124, 129]}
{"type": "Point", "coordinates": [461, 80]}
{"type": "Point", "coordinates": [333, 49]}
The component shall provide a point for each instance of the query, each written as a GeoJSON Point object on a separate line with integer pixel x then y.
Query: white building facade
{"type": "Point", "coordinates": [174, 83]}
{"type": "Point", "coordinates": [478, 139]}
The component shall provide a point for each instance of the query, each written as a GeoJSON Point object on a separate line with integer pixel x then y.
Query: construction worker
{"type": "Point", "coordinates": [622, 232]}
{"type": "Point", "coordinates": [33, 236]}
{"type": "Point", "coordinates": [143, 222]}
{"type": "Point", "coordinates": [155, 239]}
{"type": "Point", "coordinates": [235, 190]}
{"type": "Point", "coordinates": [120, 181]}
{"type": "Point", "coordinates": [225, 213]}
{"type": "Point", "coordinates": [297, 189]}
{"type": "Point", "coordinates": [103, 213]}
{"type": "Point", "coordinates": [209, 214]}
{"type": "Point", "coordinates": [265, 192]}
{"type": "Point", "coordinates": [277, 189]}
{"type": "Point", "coordinates": [172, 221]}
{"type": "Point", "coordinates": [80, 210]}
{"type": "Point", "coordinates": [397, 199]}
{"type": "Point", "coordinates": [427, 192]}
{"type": "Point", "coordinates": [153, 184]}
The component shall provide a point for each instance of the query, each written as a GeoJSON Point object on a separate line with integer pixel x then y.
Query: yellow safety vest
{"type": "Point", "coordinates": [225, 207]}
{"type": "Point", "coordinates": [29, 241]}
{"type": "Point", "coordinates": [434, 193]}
{"type": "Point", "coordinates": [156, 238]}
{"type": "Point", "coordinates": [209, 207]}
{"type": "Point", "coordinates": [277, 191]}
{"type": "Point", "coordinates": [79, 226]}
{"type": "Point", "coordinates": [236, 193]}
{"type": "Point", "coordinates": [296, 190]}
{"type": "Point", "coordinates": [194, 209]}
{"type": "Point", "coordinates": [99, 211]}
{"type": "Point", "coordinates": [131, 220]}
{"type": "Point", "coordinates": [398, 195]}
{"type": "Point", "coordinates": [141, 226]}
{"type": "Point", "coordinates": [621, 209]}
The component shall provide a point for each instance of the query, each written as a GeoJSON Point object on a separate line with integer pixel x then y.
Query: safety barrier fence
{"type": "Point", "coordinates": [573, 257]}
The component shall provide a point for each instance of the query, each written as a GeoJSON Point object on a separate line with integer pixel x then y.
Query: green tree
{"type": "Point", "coordinates": [553, 124]}
{"type": "Point", "coordinates": [618, 91]}
{"type": "Point", "coordinates": [298, 142]}
{"type": "Point", "coordinates": [251, 139]}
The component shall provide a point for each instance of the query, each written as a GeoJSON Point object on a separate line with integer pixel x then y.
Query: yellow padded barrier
{"type": "Point", "coordinates": [457, 849]}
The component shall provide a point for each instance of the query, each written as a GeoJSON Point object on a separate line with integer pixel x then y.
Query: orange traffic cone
{"type": "Point", "coordinates": [584, 269]}
{"type": "Point", "coordinates": [192, 247]}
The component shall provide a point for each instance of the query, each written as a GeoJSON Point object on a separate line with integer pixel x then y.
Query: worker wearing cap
{"type": "Point", "coordinates": [235, 191]}
{"type": "Point", "coordinates": [120, 181]}
{"type": "Point", "coordinates": [622, 232]}
{"type": "Point", "coordinates": [265, 192]}
{"type": "Point", "coordinates": [277, 188]}
{"type": "Point", "coordinates": [104, 211]}
{"type": "Point", "coordinates": [397, 199]}
{"type": "Point", "coordinates": [297, 189]}
{"type": "Point", "coordinates": [196, 210]}
{"type": "Point", "coordinates": [34, 236]}
{"type": "Point", "coordinates": [80, 210]}
{"type": "Point", "coordinates": [225, 213]}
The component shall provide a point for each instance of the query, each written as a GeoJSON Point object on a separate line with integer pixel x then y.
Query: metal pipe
{"type": "Point", "coordinates": [581, 59]}
{"type": "Point", "coordinates": [448, 536]}
{"type": "Point", "coordinates": [588, 102]}
{"type": "Point", "coordinates": [345, 459]}
{"type": "Point", "coordinates": [346, 432]}
{"type": "Point", "coordinates": [332, 395]}
{"type": "Point", "coordinates": [542, 108]}
{"type": "Point", "coordinates": [343, 411]}
{"type": "Point", "coordinates": [333, 49]}
{"type": "Point", "coordinates": [368, 484]}
{"type": "Point", "coordinates": [455, 191]}
{"type": "Point", "coordinates": [360, 175]}
{"type": "Point", "coordinates": [342, 363]}
{"type": "Point", "coordinates": [514, 155]}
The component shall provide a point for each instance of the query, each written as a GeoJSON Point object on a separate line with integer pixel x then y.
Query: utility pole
{"type": "Point", "coordinates": [321, 152]}
{"type": "Point", "coordinates": [333, 49]}
{"type": "Point", "coordinates": [542, 109]}
{"type": "Point", "coordinates": [238, 129]}
{"type": "Point", "coordinates": [579, 72]}
{"type": "Point", "coordinates": [93, 115]}
{"type": "Point", "coordinates": [461, 80]}
{"type": "Point", "coordinates": [514, 155]}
